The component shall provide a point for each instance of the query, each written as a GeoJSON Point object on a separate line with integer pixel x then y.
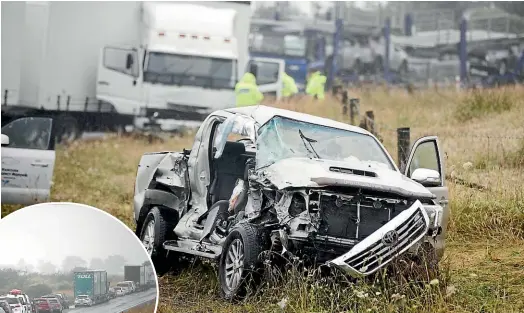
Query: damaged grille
{"type": "Point", "coordinates": [356, 217]}
{"type": "Point", "coordinates": [384, 249]}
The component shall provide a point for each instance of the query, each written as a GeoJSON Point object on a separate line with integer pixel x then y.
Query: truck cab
{"type": "Point", "coordinates": [299, 46]}
{"type": "Point", "coordinates": [186, 66]}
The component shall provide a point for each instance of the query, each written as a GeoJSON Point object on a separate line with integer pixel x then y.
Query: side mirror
{"type": "Point", "coordinates": [5, 140]}
{"type": "Point", "coordinates": [426, 177]}
{"type": "Point", "coordinates": [129, 61]}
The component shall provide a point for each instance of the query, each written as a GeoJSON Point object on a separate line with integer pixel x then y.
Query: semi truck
{"type": "Point", "coordinates": [91, 283]}
{"type": "Point", "coordinates": [136, 274]}
{"type": "Point", "coordinates": [150, 276]}
{"type": "Point", "coordinates": [108, 65]}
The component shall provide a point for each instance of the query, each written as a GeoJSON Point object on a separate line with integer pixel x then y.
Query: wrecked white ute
{"type": "Point", "coordinates": [317, 189]}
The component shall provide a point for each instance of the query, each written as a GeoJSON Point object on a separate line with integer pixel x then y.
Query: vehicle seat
{"type": "Point", "coordinates": [242, 197]}
{"type": "Point", "coordinates": [227, 168]}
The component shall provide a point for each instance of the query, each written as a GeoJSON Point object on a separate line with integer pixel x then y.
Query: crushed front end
{"type": "Point", "coordinates": [356, 230]}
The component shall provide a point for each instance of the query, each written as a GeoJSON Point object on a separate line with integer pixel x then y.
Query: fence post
{"type": "Point", "coordinates": [354, 104]}
{"type": "Point", "coordinates": [85, 104]}
{"type": "Point", "coordinates": [58, 102]}
{"type": "Point", "coordinates": [68, 102]}
{"type": "Point", "coordinates": [403, 143]}
{"type": "Point", "coordinates": [370, 116]}
{"type": "Point", "coordinates": [5, 96]}
{"type": "Point", "coordinates": [345, 103]}
{"type": "Point", "coordinates": [99, 105]}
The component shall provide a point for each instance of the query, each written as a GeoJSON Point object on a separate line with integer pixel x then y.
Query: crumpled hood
{"type": "Point", "coordinates": [305, 172]}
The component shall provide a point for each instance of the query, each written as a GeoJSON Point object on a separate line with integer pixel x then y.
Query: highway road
{"type": "Point", "coordinates": [119, 304]}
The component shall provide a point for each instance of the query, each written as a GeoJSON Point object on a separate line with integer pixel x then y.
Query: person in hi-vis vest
{"type": "Point", "coordinates": [246, 91]}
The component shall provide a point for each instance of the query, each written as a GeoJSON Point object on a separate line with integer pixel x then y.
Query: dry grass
{"type": "Point", "coordinates": [485, 255]}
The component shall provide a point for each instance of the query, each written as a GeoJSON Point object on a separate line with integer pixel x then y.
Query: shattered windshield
{"type": "Point", "coordinates": [283, 138]}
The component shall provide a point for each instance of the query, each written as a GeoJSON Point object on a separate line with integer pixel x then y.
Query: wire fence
{"type": "Point", "coordinates": [59, 102]}
{"type": "Point", "coordinates": [482, 148]}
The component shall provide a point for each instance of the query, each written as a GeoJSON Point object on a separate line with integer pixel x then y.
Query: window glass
{"type": "Point", "coordinates": [115, 59]}
{"type": "Point", "coordinates": [167, 68]}
{"type": "Point", "coordinates": [29, 133]}
{"type": "Point", "coordinates": [266, 72]}
{"type": "Point", "coordinates": [233, 128]}
{"type": "Point", "coordinates": [425, 156]}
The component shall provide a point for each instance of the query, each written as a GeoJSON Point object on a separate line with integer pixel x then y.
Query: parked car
{"type": "Point", "coordinates": [63, 300]}
{"type": "Point", "coordinates": [119, 291]}
{"type": "Point", "coordinates": [83, 300]}
{"type": "Point", "coordinates": [131, 284]}
{"type": "Point", "coordinates": [126, 287]}
{"type": "Point", "coordinates": [305, 186]}
{"type": "Point", "coordinates": [14, 303]}
{"type": "Point", "coordinates": [42, 305]}
{"type": "Point", "coordinates": [398, 58]}
{"type": "Point", "coordinates": [55, 305]}
{"type": "Point", "coordinates": [28, 157]}
{"type": "Point", "coordinates": [5, 306]}
{"type": "Point", "coordinates": [24, 300]}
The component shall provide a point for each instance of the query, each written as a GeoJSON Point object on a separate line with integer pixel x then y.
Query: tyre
{"type": "Point", "coordinates": [379, 65]}
{"type": "Point", "coordinates": [239, 264]}
{"type": "Point", "coordinates": [357, 68]}
{"type": "Point", "coordinates": [68, 129]}
{"type": "Point", "coordinates": [503, 67]}
{"type": "Point", "coordinates": [403, 69]}
{"type": "Point", "coordinates": [152, 235]}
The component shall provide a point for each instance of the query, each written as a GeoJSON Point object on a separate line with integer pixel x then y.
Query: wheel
{"type": "Point", "coordinates": [503, 67]}
{"type": "Point", "coordinates": [403, 69]}
{"type": "Point", "coordinates": [239, 263]}
{"type": "Point", "coordinates": [68, 129]}
{"type": "Point", "coordinates": [153, 234]}
{"type": "Point", "coordinates": [357, 68]}
{"type": "Point", "coordinates": [379, 65]}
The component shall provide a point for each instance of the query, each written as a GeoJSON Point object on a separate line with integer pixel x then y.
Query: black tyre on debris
{"type": "Point", "coordinates": [152, 235]}
{"type": "Point", "coordinates": [240, 265]}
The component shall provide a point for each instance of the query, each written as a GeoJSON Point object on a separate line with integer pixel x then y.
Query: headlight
{"type": "Point", "coordinates": [435, 215]}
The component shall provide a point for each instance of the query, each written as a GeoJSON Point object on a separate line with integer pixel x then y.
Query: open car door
{"type": "Point", "coordinates": [269, 73]}
{"type": "Point", "coordinates": [425, 165]}
{"type": "Point", "coordinates": [119, 79]}
{"type": "Point", "coordinates": [28, 159]}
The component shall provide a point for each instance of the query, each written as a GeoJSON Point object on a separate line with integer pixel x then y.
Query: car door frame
{"type": "Point", "coordinates": [275, 87]}
{"type": "Point", "coordinates": [441, 191]}
{"type": "Point", "coordinates": [37, 154]}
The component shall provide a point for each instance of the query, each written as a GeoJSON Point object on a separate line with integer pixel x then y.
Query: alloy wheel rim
{"type": "Point", "coordinates": [234, 264]}
{"type": "Point", "coordinates": [148, 238]}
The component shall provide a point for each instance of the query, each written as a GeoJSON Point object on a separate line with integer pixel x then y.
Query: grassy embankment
{"type": "Point", "coordinates": [485, 257]}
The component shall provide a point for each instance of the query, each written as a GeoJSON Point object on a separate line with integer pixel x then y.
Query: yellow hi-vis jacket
{"type": "Point", "coordinates": [289, 88]}
{"type": "Point", "coordinates": [315, 85]}
{"type": "Point", "coordinates": [247, 92]}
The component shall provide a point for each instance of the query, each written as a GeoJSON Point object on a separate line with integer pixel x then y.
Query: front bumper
{"type": "Point", "coordinates": [382, 246]}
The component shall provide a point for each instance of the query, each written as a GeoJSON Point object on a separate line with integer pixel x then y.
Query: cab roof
{"type": "Point", "coordinates": [261, 114]}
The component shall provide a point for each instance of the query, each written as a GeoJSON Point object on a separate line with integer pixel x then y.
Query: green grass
{"type": "Point", "coordinates": [484, 260]}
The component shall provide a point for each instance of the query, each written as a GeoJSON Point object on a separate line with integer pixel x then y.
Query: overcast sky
{"type": "Point", "coordinates": [52, 232]}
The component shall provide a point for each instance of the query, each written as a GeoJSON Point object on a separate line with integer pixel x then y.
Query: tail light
{"type": "Point", "coordinates": [227, 40]}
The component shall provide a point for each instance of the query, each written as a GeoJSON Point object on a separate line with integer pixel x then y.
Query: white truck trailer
{"type": "Point", "coordinates": [106, 65]}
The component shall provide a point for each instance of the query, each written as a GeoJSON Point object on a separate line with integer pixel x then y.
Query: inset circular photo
{"type": "Point", "coordinates": [69, 257]}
